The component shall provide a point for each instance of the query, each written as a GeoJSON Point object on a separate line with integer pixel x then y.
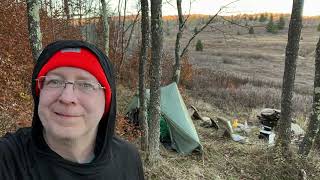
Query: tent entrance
{"type": "Point", "coordinates": [164, 132]}
{"type": "Point", "coordinates": [165, 137]}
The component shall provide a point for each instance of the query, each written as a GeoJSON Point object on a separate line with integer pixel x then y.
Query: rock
{"type": "Point", "coordinates": [296, 130]}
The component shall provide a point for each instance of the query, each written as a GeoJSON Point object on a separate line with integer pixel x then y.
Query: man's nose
{"type": "Point", "coordinates": [68, 95]}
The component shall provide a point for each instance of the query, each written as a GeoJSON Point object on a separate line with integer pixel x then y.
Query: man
{"type": "Point", "coordinates": [72, 133]}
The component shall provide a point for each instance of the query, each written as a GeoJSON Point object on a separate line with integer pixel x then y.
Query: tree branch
{"type": "Point", "coordinates": [204, 26]}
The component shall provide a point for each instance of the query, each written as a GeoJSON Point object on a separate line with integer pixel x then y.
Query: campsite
{"type": "Point", "coordinates": [240, 75]}
{"type": "Point", "coordinates": [211, 121]}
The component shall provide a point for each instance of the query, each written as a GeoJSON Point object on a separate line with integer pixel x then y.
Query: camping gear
{"type": "Point", "coordinates": [267, 134]}
{"type": "Point", "coordinates": [269, 117]}
{"type": "Point", "coordinates": [194, 113]}
{"type": "Point", "coordinates": [176, 125]}
{"type": "Point", "coordinates": [235, 123]}
{"type": "Point", "coordinates": [207, 121]}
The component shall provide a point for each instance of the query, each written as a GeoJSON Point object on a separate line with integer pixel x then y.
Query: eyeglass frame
{"type": "Point", "coordinates": [38, 80]}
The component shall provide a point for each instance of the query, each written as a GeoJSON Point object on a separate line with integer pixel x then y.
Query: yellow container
{"type": "Point", "coordinates": [235, 123]}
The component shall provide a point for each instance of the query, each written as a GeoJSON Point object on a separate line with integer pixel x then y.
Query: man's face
{"type": "Point", "coordinates": [69, 113]}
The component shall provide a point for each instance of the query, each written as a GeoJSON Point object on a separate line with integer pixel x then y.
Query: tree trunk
{"type": "Point", "coordinates": [80, 12]}
{"type": "Point", "coordinates": [104, 14]}
{"type": "Point", "coordinates": [66, 9]}
{"type": "Point", "coordinates": [123, 34]}
{"type": "Point", "coordinates": [177, 66]}
{"type": "Point", "coordinates": [156, 56]}
{"type": "Point", "coordinates": [317, 140]}
{"type": "Point", "coordinates": [142, 61]}
{"type": "Point", "coordinates": [313, 127]}
{"type": "Point", "coordinates": [51, 20]}
{"type": "Point", "coordinates": [284, 126]}
{"type": "Point", "coordinates": [35, 36]}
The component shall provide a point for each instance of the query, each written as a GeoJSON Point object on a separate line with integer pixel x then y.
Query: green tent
{"type": "Point", "coordinates": [176, 125]}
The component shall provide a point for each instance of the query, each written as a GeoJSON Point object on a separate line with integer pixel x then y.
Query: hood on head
{"type": "Point", "coordinates": [107, 123]}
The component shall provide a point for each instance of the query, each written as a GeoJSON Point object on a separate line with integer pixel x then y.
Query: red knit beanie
{"type": "Point", "coordinates": [78, 58]}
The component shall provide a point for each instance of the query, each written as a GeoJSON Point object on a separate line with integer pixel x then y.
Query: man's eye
{"type": "Point", "coordinates": [53, 82]}
{"type": "Point", "coordinates": [86, 85]}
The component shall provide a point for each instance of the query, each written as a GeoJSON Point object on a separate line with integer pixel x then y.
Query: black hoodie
{"type": "Point", "coordinates": [25, 155]}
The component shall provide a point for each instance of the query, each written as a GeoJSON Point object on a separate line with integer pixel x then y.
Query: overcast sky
{"type": "Point", "coordinates": [311, 7]}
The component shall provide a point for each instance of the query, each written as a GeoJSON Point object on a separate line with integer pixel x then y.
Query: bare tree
{"type": "Point", "coordinates": [182, 22]}
{"type": "Point", "coordinates": [104, 14]}
{"type": "Point", "coordinates": [177, 67]}
{"type": "Point", "coordinates": [35, 36]}
{"type": "Point", "coordinates": [284, 126]}
{"type": "Point", "coordinates": [142, 61]}
{"type": "Point", "coordinates": [79, 5]}
{"type": "Point", "coordinates": [313, 126]}
{"type": "Point", "coordinates": [122, 37]}
{"type": "Point", "coordinates": [51, 15]}
{"type": "Point", "coordinates": [66, 9]}
{"type": "Point", "coordinates": [155, 78]}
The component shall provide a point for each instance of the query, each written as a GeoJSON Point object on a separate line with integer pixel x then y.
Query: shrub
{"type": "Point", "coordinates": [318, 28]}
{"type": "Point", "coordinates": [199, 46]}
{"type": "Point", "coordinates": [251, 30]}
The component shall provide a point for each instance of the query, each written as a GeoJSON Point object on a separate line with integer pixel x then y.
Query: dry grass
{"type": "Point", "coordinates": [225, 159]}
{"type": "Point", "coordinates": [236, 93]}
{"type": "Point", "coordinates": [222, 158]}
{"type": "Point", "coordinates": [260, 55]}
{"type": "Point", "coordinates": [241, 75]}
{"type": "Point", "coordinates": [7, 123]}
{"type": "Point", "coordinates": [238, 73]}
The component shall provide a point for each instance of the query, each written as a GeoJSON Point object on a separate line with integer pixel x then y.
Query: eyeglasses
{"type": "Point", "coordinates": [55, 83]}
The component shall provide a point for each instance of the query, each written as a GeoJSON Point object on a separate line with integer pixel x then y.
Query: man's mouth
{"type": "Point", "coordinates": [66, 114]}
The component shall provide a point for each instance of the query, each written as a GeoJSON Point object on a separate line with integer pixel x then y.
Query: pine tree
{"type": "Point", "coordinates": [262, 18]}
{"type": "Point", "coordinates": [271, 27]}
{"type": "Point", "coordinates": [199, 46]}
{"type": "Point", "coordinates": [281, 23]}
